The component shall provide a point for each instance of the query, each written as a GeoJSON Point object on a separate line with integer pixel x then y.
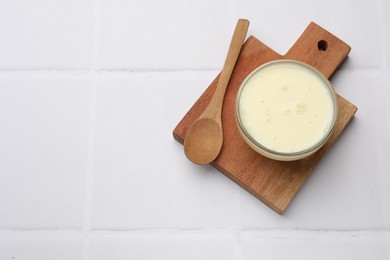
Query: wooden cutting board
{"type": "Point", "coordinates": [273, 182]}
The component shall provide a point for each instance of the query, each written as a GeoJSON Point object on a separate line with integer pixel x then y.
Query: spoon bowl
{"type": "Point", "coordinates": [204, 141]}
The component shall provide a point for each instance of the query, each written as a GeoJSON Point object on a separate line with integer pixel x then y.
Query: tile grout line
{"type": "Point", "coordinates": [86, 228]}
{"type": "Point", "coordinates": [385, 64]}
{"type": "Point", "coordinates": [269, 233]}
{"type": "Point", "coordinates": [95, 71]}
{"type": "Point", "coordinates": [86, 249]}
{"type": "Point", "coordinates": [237, 202]}
{"type": "Point", "coordinates": [238, 228]}
{"type": "Point", "coordinates": [194, 230]}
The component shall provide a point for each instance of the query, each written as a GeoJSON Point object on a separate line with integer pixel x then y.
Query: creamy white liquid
{"type": "Point", "coordinates": [286, 107]}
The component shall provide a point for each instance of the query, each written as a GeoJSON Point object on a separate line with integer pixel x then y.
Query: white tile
{"type": "Point", "coordinates": [44, 34]}
{"type": "Point", "coordinates": [386, 28]}
{"type": "Point", "coordinates": [349, 188]}
{"type": "Point", "coordinates": [142, 178]}
{"type": "Point", "coordinates": [43, 139]}
{"type": "Point", "coordinates": [317, 245]}
{"type": "Point", "coordinates": [279, 24]}
{"type": "Point", "coordinates": [42, 248]}
{"type": "Point", "coordinates": [172, 34]}
{"type": "Point", "coordinates": [358, 24]}
{"type": "Point", "coordinates": [164, 246]}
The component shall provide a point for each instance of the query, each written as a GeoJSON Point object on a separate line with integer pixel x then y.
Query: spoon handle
{"type": "Point", "coordinates": [214, 108]}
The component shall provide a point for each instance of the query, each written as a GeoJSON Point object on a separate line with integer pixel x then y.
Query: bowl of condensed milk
{"type": "Point", "coordinates": [286, 110]}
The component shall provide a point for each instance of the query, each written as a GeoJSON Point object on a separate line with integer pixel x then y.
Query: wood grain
{"type": "Point", "coordinates": [273, 182]}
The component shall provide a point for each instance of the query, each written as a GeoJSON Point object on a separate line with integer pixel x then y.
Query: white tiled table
{"type": "Point", "coordinates": [90, 91]}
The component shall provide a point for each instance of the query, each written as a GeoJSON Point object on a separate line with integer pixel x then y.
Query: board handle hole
{"type": "Point", "coordinates": [322, 45]}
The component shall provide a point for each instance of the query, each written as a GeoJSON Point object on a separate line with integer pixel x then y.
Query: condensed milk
{"type": "Point", "coordinates": [286, 110]}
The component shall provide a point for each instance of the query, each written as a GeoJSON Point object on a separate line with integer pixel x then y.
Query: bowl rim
{"type": "Point", "coordinates": [295, 154]}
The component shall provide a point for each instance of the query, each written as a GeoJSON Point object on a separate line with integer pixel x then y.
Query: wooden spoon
{"type": "Point", "coordinates": [204, 139]}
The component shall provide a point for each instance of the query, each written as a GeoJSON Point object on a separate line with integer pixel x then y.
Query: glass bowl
{"type": "Point", "coordinates": [286, 110]}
